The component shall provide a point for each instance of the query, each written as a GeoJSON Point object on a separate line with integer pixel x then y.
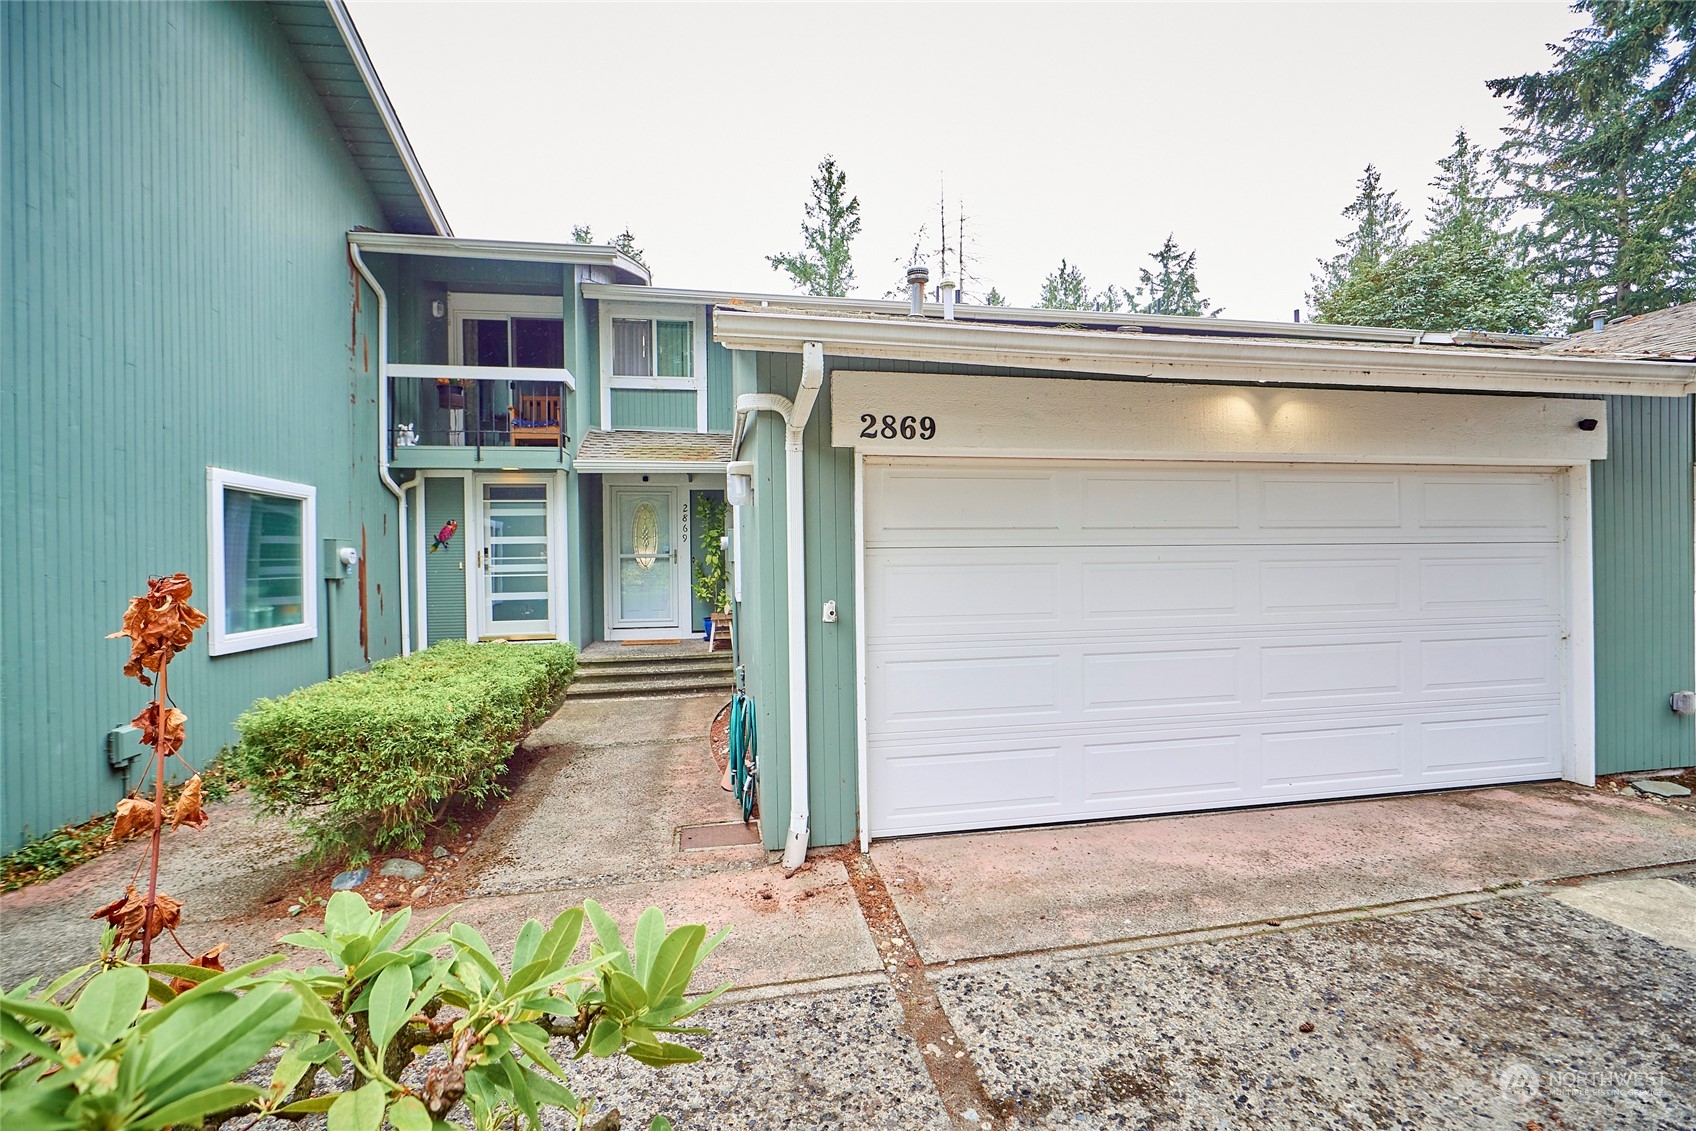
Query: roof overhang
{"type": "Point", "coordinates": [454, 247]}
{"type": "Point", "coordinates": [324, 40]}
{"type": "Point", "coordinates": [1198, 358]}
{"type": "Point", "coordinates": [648, 467]}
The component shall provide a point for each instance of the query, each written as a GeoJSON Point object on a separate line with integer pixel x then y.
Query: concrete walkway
{"type": "Point", "coordinates": [1397, 961]}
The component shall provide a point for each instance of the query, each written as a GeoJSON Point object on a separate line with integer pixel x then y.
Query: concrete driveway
{"type": "Point", "coordinates": [1511, 957]}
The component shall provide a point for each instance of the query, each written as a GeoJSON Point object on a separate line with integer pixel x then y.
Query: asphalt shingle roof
{"type": "Point", "coordinates": [658, 447]}
{"type": "Point", "coordinates": [1665, 335]}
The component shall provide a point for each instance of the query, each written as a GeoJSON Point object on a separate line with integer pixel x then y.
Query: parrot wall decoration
{"type": "Point", "coordinates": [444, 535]}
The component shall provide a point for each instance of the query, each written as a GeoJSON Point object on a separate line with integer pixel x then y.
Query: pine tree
{"type": "Point", "coordinates": [580, 233]}
{"type": "Point", "coordinates": [994, 298]}
{"type": "Point", "coordinates": [1065, 289]}
{"type": "Point", "coordinates": [1171, 288]}
{"type": "Point", "coordinates": [1604, 150]}
{"type": "Point", "coordinates": [626, 243]}
{"type": "Point", "coordinates": [1467, 273]}
{"type": "Point", "coordinates": [825, 266]}
{"type": "Point", "coordinates": [1380, 230]}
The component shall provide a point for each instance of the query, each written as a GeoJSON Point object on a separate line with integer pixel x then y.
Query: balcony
{"type": "Point", "coordinates": [447, 416]}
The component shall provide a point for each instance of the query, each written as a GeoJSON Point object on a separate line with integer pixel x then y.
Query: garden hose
{"type": "Point", "coordinates": [744, 768]}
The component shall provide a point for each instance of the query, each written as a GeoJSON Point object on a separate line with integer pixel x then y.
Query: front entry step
{"type": "Point", "coordinates": [631, 674]}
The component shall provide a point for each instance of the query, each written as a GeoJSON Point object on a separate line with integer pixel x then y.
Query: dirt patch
{"type": "Point", "coordinates": [950, 1063]}
{"type": "Point", "coordinates": [1621, 784]}
{"type": "Point", "coordinates": [303, 896]}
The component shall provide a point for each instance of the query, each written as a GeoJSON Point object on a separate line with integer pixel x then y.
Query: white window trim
{"type": "Point", "coordinates": [222, 643]}
{"type": "Point", "coordinates": [696, 316]}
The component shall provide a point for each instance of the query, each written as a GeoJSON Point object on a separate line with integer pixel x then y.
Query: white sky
{"type": "Point", "coordinates": [1084, 131]}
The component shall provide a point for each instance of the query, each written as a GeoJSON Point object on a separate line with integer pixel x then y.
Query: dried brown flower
{"type": "Point", "coordinates": [189, 810]}
{"type": "Point", "coordinates": [160, 623]}
{"type": "Point", "coordinates": [129, 915]}
{"type": "Point", "coordinates": [134, 816]}
{"type": "Point", "coordinates": [207, 961]}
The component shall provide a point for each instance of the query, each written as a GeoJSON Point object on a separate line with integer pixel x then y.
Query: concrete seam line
{"type": "Point", "coordinates": [946, 1057]}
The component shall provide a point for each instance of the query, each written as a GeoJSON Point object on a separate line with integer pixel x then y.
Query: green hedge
{"type": "Point", "coordinates": [368, 761]}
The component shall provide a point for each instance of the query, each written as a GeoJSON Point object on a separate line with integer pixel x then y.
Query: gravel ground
{"type": "Point", "coordinates": [829, 1060]}
{"type": "Point", "coordinates": [1415, 1020]}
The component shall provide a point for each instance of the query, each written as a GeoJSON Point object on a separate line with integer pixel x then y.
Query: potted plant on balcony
{"type": "Point", "coordinates": [449, 394]}
{"type": "Point", "coordinates": [712, 575]}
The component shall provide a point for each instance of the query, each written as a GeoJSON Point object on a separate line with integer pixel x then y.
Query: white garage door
{"type": "Point", "coordinates": [1055, 642]}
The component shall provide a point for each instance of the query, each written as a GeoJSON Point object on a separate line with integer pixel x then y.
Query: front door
{"type": "Point", "coordinates": [513, 563]}
{"type": "Point", "coordinates": [644, 590]}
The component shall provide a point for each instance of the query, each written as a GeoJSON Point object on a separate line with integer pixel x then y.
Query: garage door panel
{"type": "Point", "coordinates": [1185, 638]}
{"type": "Point", "coordinates": [1196, 768]}
{"type": "Point", "coordinates": [975, 690]}
{"type": "Point", "coordinates": [1324, 503]}
{"type": "Point", "coordinates": [1161, 677]}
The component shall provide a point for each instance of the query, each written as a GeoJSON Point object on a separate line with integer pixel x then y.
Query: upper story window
{"type": "Point", "coordinates": [263, 538]}
{"type": "Point", "coordinates": [653, 366]}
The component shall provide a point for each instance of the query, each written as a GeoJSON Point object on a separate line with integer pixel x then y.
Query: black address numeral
{"type": "Point", "coordinates": [875, 427]}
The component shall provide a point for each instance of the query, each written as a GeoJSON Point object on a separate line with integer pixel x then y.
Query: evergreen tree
{"type": "Point", "coordinates": [1170, 288]}
{"type": "Point", "coordinates": [580, 233]}
{"type": "Point", "coordinates": [1467, 273]}
{"type": "Point", "coordinates": [994, 298]}
{"type": "Point", "coordinates": [1065, 289]}
{"type": "Point", "coordinates": [1380, 229]}
{"type": "Point", "coordinates": [825, 265]}
{"type": "Point", "coordinates": [1604, 150]}
{"type": "Point", "coordinates": [626, 243]}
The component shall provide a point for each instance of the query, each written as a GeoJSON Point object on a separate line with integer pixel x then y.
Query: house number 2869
{"type": "Point", "coordinates": [875, 427]}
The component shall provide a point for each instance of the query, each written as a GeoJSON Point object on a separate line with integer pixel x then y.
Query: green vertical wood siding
{"type": "Point", "coordinates": [1645, 552]}
{"type": "Point", "coordinates": [665, 410]}
{"type": "Point", "coordinates": [444, 570]}
{"type": "Point", "coordinates": [176, 294]}
{"type": "Point", "coordinates": [721, 407]}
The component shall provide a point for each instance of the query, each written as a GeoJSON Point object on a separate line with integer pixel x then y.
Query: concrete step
{"type": "Point", "coordinates": [666, 668]}
{"type": "Point", "coordinates": [639, 657]}
{"type": "Point", "coordinates": [642, 686]}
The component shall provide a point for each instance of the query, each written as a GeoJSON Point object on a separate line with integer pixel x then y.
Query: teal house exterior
{"type": "Point", "coordinates": [989, 566]}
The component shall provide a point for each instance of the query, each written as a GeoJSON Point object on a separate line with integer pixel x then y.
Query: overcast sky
{"type": "Point", "coordinates": [1083, 131]}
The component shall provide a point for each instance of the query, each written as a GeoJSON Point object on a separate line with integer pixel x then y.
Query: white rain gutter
{"type": "Point", "coordinates": [383, 442]}
{"type": "Point", "coordinates": [795, 414]}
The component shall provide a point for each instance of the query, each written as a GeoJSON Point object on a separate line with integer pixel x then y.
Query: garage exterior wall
{"type": "Point", "coordinates": [1645, 555]}
{"type": "Point", "coordinates": [1644, 590]}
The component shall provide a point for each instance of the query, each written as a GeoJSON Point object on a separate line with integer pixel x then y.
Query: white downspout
{"type": "Point", "coordinates": [383, 443]}
{"type": "Point", "coordinates": [812, 376]}
{"type": "Point", "coordinates": [794, 414]}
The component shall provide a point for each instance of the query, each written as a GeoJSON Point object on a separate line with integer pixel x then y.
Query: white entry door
{"type": "Point", "coordinates": [514, 560]}
{"type": "Point", "coordinates": [645, 576]}
{"type": "Point", "coordinates": [1058, 642]}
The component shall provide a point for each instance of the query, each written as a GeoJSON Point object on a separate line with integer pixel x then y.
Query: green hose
{"type": "Point", "coordinates": [743, 768]}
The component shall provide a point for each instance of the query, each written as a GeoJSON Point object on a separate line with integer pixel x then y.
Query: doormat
{"type": "Point", "coordinates": [646, 643]}
{"type": "Point", "coordinates": [717, 836]}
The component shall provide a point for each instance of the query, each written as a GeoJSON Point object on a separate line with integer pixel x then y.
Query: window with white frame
{"type": "Point", "coordinates": [657, 348]}
{"type": "Point", "coordinates": [263, 535]}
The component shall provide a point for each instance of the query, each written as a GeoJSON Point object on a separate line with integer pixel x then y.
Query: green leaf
{"type": "Point", "coordinates": [612, 943]}
{"type": "Point", "coordinates": [605, 1038]}
{"type": "Point", "coordinates": [310, 1104]}
{"type": "Point", "coordinates": [408, 1114]}
{"type": "Point", "coordinates": [665, 1055]}
{"type": "Point", "coordinates": [551, 1092]}
{"type": "Point", "coordinates": [671, 968]}
{"type": "Point", "coordinates": [524, 949]}
{"type": "Point", "coordinates": [313, 940]}
{"type": "Point", "coordinates": [360, 1110]}
{"type": "Point", "coordinates": [214, 1039]}
{"type": "Point", "coordinates": [393, 929]}
{"type": "Point", "coordinates": [37, 1010]}
{"type": "Point", "coordinates": [153, 1018]}
{"type": "Point", "coordinates": [391, 1003]}
{"type": "Point", "coordinates": [191, 1108]}
{"type": "Point", "coordinates": [712, 944]}
{"type": "Point", "coordinates": [660, 1123]}
{"type": "Point", "coordinates": [347, 916]}
{"type": "Point", "coordinates": [697, 1004]}
{"type": "Point", "coordinates": [108, 1003]}
{"type": "Point", "coordinates": [650, 933]}
{"type": "Point", "coordinates": [518, 1081]}
{"type": "Point", "coordinates": [625, 995]}
{"type": "Point", "coordinates": [14, 1033]}
{"type": "Point", "coordinates": [533, 1039]}
{"type": "Point", "coordinates": [561, 939]}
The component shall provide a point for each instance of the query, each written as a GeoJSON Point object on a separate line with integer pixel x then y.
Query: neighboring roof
{"type": "Point", "coordinates": [588, 254]}
{"type": "Point", "coordinates": [1665, 335]}
{"type": "Point", "coordinates": [1194, 356]}
{"type": "Point", "coordinates": [1123, 321]}
{"type": "Point", "coordinates": [653, 451]}
{"type": "Point", "coordinates": [331, 53]}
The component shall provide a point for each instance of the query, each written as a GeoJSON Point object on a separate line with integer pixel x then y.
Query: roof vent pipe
{"type": "Point", "coordinates": [947, 288]}
{"type": "Point", "coordinates": [917, 276]}
{"type": "Point", "coordinates": [1598, 319]}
